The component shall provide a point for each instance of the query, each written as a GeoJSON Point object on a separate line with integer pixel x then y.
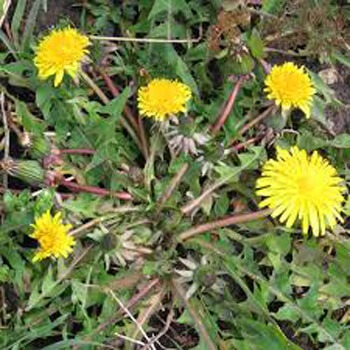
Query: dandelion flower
{"type": "Point", "coordinates": [162, 98]}
{"type": "Point", "coordinates": [290, 87]}
{"type": "Point", "coordinates": [62, 51]}
{"type": "Point", "coordinates": [304, 187]}
{"type": "Point", "coordinates": [52, 236]}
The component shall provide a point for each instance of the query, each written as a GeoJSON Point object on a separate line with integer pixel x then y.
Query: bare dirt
{"type": "Point", "coordinates": [339, 117]}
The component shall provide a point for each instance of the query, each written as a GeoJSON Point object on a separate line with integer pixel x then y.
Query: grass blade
{"type": "Point", "coordinates": [17, 20]}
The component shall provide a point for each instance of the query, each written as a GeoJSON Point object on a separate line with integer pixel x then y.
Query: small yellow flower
{"type": "Point", "coordinates": [62, 51]}
{"type": "Point", "coordinates": [52, 236]}
{"type": "Point", "coordinates": [304, 187]}
{"type": "Point", "coordinates": [162, 98]}
{"type": "Point", "coordinates": [290, 86]}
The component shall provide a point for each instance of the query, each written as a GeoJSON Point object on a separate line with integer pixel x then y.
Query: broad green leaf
{"type": "Point", "coordinates": [171, 6]}
{"type": "Point", "coordinates": [341, 141]}
{"type": "Point", "coordinates": [273, 6]}
{"type": "Point", "coordinates": [341, 58]}
{"type": "Point", "coordinates": [116, 106]}
{"type": "Point", "coordinates": [256, 45]}
{"type": "Point", "coordinates": [287, 313]}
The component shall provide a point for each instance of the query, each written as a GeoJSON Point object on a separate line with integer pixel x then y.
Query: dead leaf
{"type": "Point", "coordinates": [329, 76]}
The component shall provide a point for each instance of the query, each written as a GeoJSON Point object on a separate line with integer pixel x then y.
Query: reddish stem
{"type": "Point", "coordinates": [77, 151]}
{"type": "Point", "coordinates": [266, 66]}
{"type": "Point", "coordinates": [228, 221]}
{"type": "Point", "coordinates": [115, 92]}
{"type": "Point", "coordinates": [258, 119]}
{"type": "Point", "coordinates": [150, 286]}
{"type": "Point", "coordinates": [137, 124]}
{"type": "Point", "coordinates": [143, 137]}
{"type": "Point", "coordinates": [8, 30]}
{"type": "Point", "coordinates": [244, 144]}
{"type": "Point", "coordinates": [228, 107]}
{"type": "Point", "coordinates": [95, 190]}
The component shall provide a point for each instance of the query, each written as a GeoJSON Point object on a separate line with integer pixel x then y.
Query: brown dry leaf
{"type": "Point", "coordinates": [329, 76]}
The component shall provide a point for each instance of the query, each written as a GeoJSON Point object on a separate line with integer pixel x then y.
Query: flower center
{"type": "Point", "coordinates": [306, 186]}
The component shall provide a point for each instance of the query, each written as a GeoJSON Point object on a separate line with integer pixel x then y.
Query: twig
{"type": "Point", "coordinates": [172, 186]}
{"type": "Point", "coordinates": [146, 40]}
{"type": "Point", "coordinates": [16, 129]}
{"type": "Point", "coordinates": [231, 220]}
{"type": "Point", "coordinates": [95, 190]}
{"type": "Point", "coordinates": [228, 107]}
{"type": "Point", "coordinates": [169, 319]}
{"type": "Point", "coordinates": [153, 303]}
{"type": "Point", "coordinates": [134, 341]}
{"type": "Point", "coordinates": [94, 222]}
{"type": "Point", "coordinates": [193, 312]}
{"type": "Point", "coordinates": [6, 136]}
{"type": "Point", "coordinates": [142, 293]}
{"type": "Point", "coordinates": [286, 53]}
{"type": "Point", "coordinates": [132, 318]}
{"type": "Point", "coordinates": [141, 250]}
{"type": "Point", "coordinates": [257, 119]}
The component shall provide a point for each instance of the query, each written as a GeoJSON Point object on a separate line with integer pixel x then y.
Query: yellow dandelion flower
{"type": "Point", "coordinates": [162, 98]}
{"type": "Point", "coordinates": [290, 87]}
{"type": "Point", "coordinates": [53, 237]}
{"type": "Point", "coordinates": [303, 187]}
{"type": "Point", "coordinates": [62, 51]}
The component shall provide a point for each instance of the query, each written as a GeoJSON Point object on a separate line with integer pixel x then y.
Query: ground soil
{"type": "Point", "coordinates": [339, 117]}
{"type": "Point", "coordinates": [57, 10]}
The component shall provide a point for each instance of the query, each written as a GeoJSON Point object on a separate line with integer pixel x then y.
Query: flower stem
{"type": "Point", "coordinates": [239, 146]}
{"type": "Point", "coordinates": [6, 137]}
{"type": "Point", "coordinates": [172, 186]}
{"type": "Point", "coordinates": [115, 92]}
{"type": "Point", "coordinates": [95, 88]}
{"type": "Point", "coordinates": [143, 40]}
{"type": "Point", "coordinates": [231, 220]}
{"type": "Point", "coordinates": [77, 151]}
{"type": "Point", "coordinates": [229, 105]}
{"type": "Point", "coordinates": [125, 282]}
{"type": "Point", "coordinates": [95, 190]}
{"type": "Point", "coordinates": [257, 119]}
{"type": "Point", "coordinates": [265, 65]}
{"type": "Point", "coordinates": [143, 136]}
